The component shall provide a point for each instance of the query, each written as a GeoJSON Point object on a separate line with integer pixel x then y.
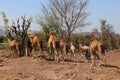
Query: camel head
{"type": "Point", "coordinates": [51, 33]}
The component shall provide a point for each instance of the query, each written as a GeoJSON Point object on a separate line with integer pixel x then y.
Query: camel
{"type": "Point", "coordinates": [84, 48]}
{"type": "Point", "coordinates": [52, 40]}
{"type": "Point", "coordinates": [33, 42]}
{"type": "Point", "coordinates": [14, 45]}
{"type": "Point", "coordinates": [85, 51]}
{"type": "Point", "coordinates": [72, 48]}
{"type": "Point", "coordinates": [63, 48]}
{"type": "Point", "coordinates": [97, 46]}
{"type": "Point", "coordinates": [52, 43]}
{"type": "Point", "coordinates": [29, 47]}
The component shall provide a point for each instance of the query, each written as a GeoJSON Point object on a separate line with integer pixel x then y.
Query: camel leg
{"type": "Point", "coordinates": [83, 55]}
{"type": "Point", "coordinates": [26, 52]}
{"type": "Point", "coordinates": [51, 53]}
{"type": "Point", "coordinates": [57, 55]}
{"type": "Point", "coordinates": [70, 56]}
{"type": "Point", "coordinates": [92, 58]}
{"type": "Point", "coordinates": [102, 60]}
{"type": "Point", "coordinates": [101, 56]}
{"type": "Point", "coordinates": [39, 46]}
{"type": "Point", "coordinates": [64, 54]}
{"type": "Point", "coordinates": [55, 52]}
{"type": "Point", "coordinates": [73, 56]}
{"type": "Point", "coordinates": [18, 50]}
{"type": "Point", "coordinates": [33, 49]}
{"type": "Point", "coordinates": [11, 51]}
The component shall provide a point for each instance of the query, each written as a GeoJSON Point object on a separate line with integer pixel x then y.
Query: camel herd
{"type": "Point", "coordinates": [59, 48]}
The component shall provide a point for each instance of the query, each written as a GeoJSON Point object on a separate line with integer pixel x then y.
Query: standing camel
{"type": "Point", "coordinates": [63, 48]}
{"type": "Point", "coordinates": [96, 46]}
{"type": "Point", "coordinates": [14, 45]}
{"type": "Point", "coordinates": [29, 47]}
{"type": "Point", "coordinates": [85, 51]}
{"type": "Point", "coordinates": [52, 43]}
{"type": "Point", "coordinates": [72, 48]}
{"type": "Point", "coordinates": [35, 41]}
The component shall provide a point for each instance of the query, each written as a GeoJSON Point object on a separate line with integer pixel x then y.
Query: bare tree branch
{"type": "Point", "coordinates": [69, 14]}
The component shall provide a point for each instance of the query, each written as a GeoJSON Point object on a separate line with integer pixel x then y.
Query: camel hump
{"type": "Point", "coordinates": [94, 39]}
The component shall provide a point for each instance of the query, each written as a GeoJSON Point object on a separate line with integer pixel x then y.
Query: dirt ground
{"type": "Point", "coordinates": [27, 68]}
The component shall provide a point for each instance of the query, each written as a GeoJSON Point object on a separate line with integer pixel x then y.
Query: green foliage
{"type": "Point", "coordinates": [2, 39]}
{"type": "Point", "coordinates": [49, 24]}
{"type": "Point", "coordinates": [5, 19]}
{"type": "Point", "coordinates": [109, 38]}
{"type": "Point", "coordinates": [44, 36]}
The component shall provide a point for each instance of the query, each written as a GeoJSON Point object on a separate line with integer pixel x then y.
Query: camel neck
{"type": "Point", "coordinates": [9, 39]}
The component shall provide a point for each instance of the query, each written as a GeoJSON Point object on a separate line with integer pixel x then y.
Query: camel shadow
{"type": "Point", "coordinates": [1, 61]}
{"type": "Point", "coordinates": [1, 65]}
{"type": "Point", "coordinates": [112, 66]}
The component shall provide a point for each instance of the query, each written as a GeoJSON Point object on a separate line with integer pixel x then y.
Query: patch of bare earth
{"type": "Point", "coordinates": [27, 68]}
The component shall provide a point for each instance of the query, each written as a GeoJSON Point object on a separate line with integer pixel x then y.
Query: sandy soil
{"type": "Point", "coordinates": [27, 68]}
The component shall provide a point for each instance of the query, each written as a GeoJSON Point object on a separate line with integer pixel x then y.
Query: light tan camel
{"type": "Point", "coordinates": [96, 46]}
{"type": "Point", "coordinates": [52, 43]}
{"type": "Point", "coordinates": [72, 48]}
{"type": "Point", "coordinates": [52, 40]}
{"type": "Point", "coordinates": [36, 41]}
{"type": "Point", "coordinates": [14, 45]}
{"type": "Point", "coordinates": [84, 49]}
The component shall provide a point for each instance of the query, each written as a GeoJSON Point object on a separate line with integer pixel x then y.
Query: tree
{"type": "Point", "coordinates": [103, 24]}
{"type": "Point", "coordinates": [18, 30]}
{"type": "Point", "coordinates": [108, 36]}
{"type": "Point", "coordinates": [95, 33]}
{"type": "Point", "coordinates": [5, 19]}
{"type": "Point", "coordinates": [70, 14]}
{"type": "Point", "coordinates": [49, 23]}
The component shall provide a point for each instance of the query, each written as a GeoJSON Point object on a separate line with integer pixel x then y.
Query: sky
{"type": "Point", "coordinates": [97, 9]}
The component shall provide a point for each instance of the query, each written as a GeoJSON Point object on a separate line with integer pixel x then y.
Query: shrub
{"type": "Point", "coordinates": [2, 39]}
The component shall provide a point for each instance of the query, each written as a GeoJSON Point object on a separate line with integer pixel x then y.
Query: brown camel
{"type": "Point", "coordinates": [52, 40]}
{"type": "Point", "coordinates": [63, 48]}
{"type": "Point", "coordinates": [52, 43]}
{"type": "Point", "coordinates": [35, 41]}
{"type": "Point", "coordinates": [14, 45]}
{"type": "Point", "coordinates": [96, 46]}
{"type": "Point", "coordinates": [29, 47]}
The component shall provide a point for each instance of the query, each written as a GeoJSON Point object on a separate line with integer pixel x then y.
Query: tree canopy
{"type": "Point", "coordinates": [65, 16]}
